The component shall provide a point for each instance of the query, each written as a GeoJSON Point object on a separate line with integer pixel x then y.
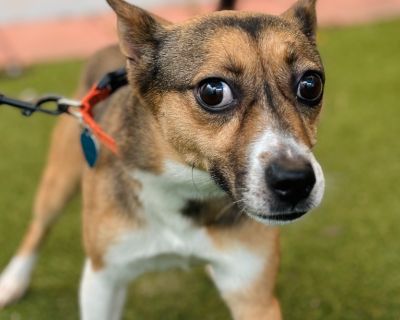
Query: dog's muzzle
{"type": "Point", "coordinates": [285, 187]}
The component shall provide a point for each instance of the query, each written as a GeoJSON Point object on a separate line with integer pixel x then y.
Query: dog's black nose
{"type": "Point", "coordinates": [290, 180]}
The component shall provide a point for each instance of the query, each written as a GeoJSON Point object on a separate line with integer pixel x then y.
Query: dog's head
{"type": "Point", "coordinates": [238, 95]}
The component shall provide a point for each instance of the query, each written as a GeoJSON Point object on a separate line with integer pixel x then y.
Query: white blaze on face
{"type": "Point", "coordinates": [269, 145]}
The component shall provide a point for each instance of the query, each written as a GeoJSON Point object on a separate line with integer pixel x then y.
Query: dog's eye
{"type": "Point", "coordinates": [214, 95]}
{"type": "Point", "coordinates": [310, 88]}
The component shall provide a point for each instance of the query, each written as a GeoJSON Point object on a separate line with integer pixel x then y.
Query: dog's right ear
{"type": "Point", "coordinates": [137, 29]}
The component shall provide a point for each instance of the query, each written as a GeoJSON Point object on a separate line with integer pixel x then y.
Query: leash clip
{"type": "Point", "coordinates": [39, 106]}
{"type": "Point", "coordinates": [71, 107]}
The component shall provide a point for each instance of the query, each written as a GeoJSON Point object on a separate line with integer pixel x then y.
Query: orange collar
{"type": "Point", "coordinates": [107, 86]}
{"type": "Point", "coordinates": [94, 97]}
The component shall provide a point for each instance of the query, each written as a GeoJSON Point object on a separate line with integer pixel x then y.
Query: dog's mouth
{"type": "Point", "coordinates": [276, 214]}
{"type": "Point", "coordinates": [283, 217]}
{"type": "Point", "coordinates": [275, 219]}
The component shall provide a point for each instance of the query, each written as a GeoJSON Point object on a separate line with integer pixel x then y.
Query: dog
{"type": "Point", "coordinates": [215, 132]}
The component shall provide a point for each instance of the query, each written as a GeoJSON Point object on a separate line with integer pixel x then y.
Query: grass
{"type": "Point", "coordinates": [341, 262]}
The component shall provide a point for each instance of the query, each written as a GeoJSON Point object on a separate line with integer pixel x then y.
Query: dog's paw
{"type": "Point", "coordinates": [15, 279]}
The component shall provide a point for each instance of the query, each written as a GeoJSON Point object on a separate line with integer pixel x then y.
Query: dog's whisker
{"type": "Point", "coordinates": [194, 183]}
{"type": "Point", "coordinates": [227, 207]}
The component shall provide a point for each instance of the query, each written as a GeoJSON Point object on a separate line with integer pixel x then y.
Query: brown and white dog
{"type": "Point", "coordinates": [215, 133]}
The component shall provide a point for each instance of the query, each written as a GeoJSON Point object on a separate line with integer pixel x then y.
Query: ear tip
{"type": "Point", "coordinates": [112, 3]}
{"type": "Point", "coordinates": [313, 2]}
{"type": "Point", "coordinates": [122, 8]}
{"type": "Point", "coordinates": [305, 3]}
{"type": "Point", "coordinates": [118, 5]}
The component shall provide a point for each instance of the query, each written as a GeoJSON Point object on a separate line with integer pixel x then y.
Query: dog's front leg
{"type": "Point", "coordinates": [245, 272]}
{"type": "Point", "coordinates": [101, 296]}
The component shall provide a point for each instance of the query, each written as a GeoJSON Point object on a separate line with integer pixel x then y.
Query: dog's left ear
{"type": "Point", "coordinates": [138, 30]}
{"type": "Point", "coordinates": [303, 14]}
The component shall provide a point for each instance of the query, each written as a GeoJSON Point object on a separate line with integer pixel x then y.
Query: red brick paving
{"type": "Point", "coordinates": [27, 43]}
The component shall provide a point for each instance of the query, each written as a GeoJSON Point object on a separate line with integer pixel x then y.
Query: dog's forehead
{"type": "Point", "coordinates": [232, 40]}
{"type": "Point", "coordinates": [251, 24]}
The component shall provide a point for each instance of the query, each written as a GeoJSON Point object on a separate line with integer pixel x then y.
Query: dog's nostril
{"type": "Point", "coordinates": [290, 180]}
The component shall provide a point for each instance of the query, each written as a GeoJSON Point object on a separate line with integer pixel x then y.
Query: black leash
{"type": "Point", "coordinates": [56, 105]}
{"type": "Point", "coordinates": [29, 109]}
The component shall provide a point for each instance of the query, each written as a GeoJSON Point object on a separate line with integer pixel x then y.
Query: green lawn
{"type": "Point", "coordinates": [341, 262]}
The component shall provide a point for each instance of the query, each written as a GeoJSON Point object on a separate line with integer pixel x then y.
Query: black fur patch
{"type": "Point", "coordinates": [219, 179]}
{"type": "Point", "coordinates": [270, 97]}
{"type": "Point", "coordinates": [251, 25]}
{"type": "Point", "coordinates": [218, 213]}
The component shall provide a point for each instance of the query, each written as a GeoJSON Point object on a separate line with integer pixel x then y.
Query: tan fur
{"type": "Point", "coordinates": [103, 220]}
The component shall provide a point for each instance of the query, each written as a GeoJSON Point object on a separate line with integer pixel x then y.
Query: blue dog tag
{"type": "Point", "coordinates": [90, 147]}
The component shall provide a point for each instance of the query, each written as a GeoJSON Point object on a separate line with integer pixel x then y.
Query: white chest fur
{"type": "Point", "coordinates": [168, 238]}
